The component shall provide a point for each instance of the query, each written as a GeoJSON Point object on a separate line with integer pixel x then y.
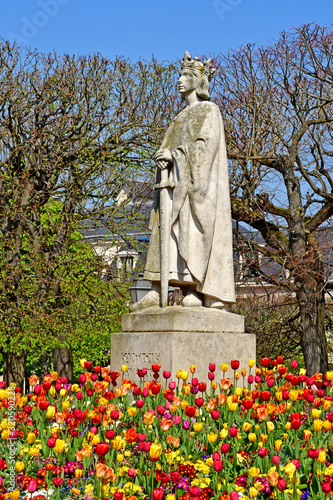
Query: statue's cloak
{"type": "Point", "coordinates": [199, 205]}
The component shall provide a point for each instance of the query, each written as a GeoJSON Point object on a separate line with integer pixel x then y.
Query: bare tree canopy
{"type": "Point", "coordinates": [277, 106]}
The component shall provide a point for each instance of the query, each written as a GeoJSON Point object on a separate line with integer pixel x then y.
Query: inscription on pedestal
{"type": "Point", "coordinates": [137, 360]}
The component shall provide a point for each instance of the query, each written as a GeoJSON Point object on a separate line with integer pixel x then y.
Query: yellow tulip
{"type": "Point", "coordinates": [223, 433]}
{"type": "Point", "coordinates": [155, 451]}
{"type": "Point", "coordinates": [50, 412]}
{"type": "Point", "coordinates": [212, 437]}
{"type": "Point", "coordinates": [233, 406]}
{"type": "Point", "coordinates": [148, 418]}
{"type": "Point", "coordinates": [290, 468]}
{"type": "Point", "coordinates": [243, 372]}
{"type": "Point", "coordinates": [317, 424]}
{"type": "Point", "coordinates": [322, 457]}
{"type": "Point", "coordinates": [66, 405]}
{"type": "Point", "coordinates": [237, 375]}
{"type": "Point", "coordinates": [251, 363]}
{"type": "Point", "coordinates": [246, 426]}
{"type": "Point", "coordinates": [187, 390]}
{"type": "Point", "coordinates": [192, 368]}
{"type": "Point", "coordinates": [184, 375]}
{"type": "Point", "coordinates": [14, 495]}
{"type": "Point", "coordinates": [116, 443]}
{"type": "Point", "coordinates": [254, 471]}
{"type": "Point", "coordinates": [34, 451]}
{"type": "Point", "coordinates": [278, 396]}
{"type": "Point", "coordinates": [263, 438]}
{"type": "Point", "coordinates": [327, 404]}
{"type": "Point", "coordinates": [179, 374]}
{"type": "Point", "coordinates": [124, 368]}
{"type": "Point", "coordinates": [329, 376]}
{"type": "Point", "coordinates": [224, 367]}
{"type": "Point", "coordinates": [75, 387]}
{"type": "Point", "coordinates": [82, 361]}
{"type": "Point", "coordinates": [327, 425]}
{"type": "Point", "coordinates": [60, 445]}
{"type": "Point", "coordinates": [170, 496]}
{"type": "Point", "coordinates": [278, 445]}
{"type": "Point", "coordinates": [307, 434]}
{"type": "Point", "coordinates": [316, 413]}
{"type": "Point", "coordinates": [239, 391]}
{"type": "Point", "coordinates": [19, 466]}
{"type": "Point", "coordinates": [5, 434]}
{"type": "Point", "coordinates": [288, 426]}
{"type": "Point", "coordinates": [78, 473]}
{"type": "Point", "coordinates": [214, 386]}
{"type": "Point", "coordinates": [252, 437]}
{"type": "Point", "coordinates": [270, 426]}
{"type": "Point", "coordinates": [293, 395]}
{"type": "Point", "coordinates": [3, 394]}
{"type": "Point", "coordinates": [31, 437]}
{"type": "Point", "coordinates": [253, 492]}
{"type": "Point", "coordinates": [120, 458]}
{"type": "Point", "coordinates": [96, 439]}
{"type": "Point", "coordinates": [63, 392]}
{"type": "Point", "coordinates": [4, 424]}
{"type": "Point", "coordinates": [52, 390]}
{"type": "Point", "coordinates": [131, 411]}
{"type": "Point", "coordinates": [198, 426]}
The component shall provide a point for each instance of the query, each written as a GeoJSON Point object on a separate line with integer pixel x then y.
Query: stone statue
{"type": "Point", "coordinates": [195, 216]}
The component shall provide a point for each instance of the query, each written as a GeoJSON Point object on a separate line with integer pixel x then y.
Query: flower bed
{"type": "Point", "coordinates": [267, 433]}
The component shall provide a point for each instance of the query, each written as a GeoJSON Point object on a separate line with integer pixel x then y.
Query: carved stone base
{"type": "Point", "coordinates": [177, 337]}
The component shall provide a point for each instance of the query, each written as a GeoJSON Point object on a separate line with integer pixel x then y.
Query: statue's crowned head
{"type": "Point", "coordinates": [203, 70]}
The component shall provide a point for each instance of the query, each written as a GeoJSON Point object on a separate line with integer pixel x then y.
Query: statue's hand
{"type": "Point", "coordinates": [163, 158]}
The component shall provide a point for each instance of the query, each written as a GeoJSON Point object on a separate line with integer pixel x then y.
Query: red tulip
{"type": "Point", "coordinates": [97, 369]}
{"type": "Point", "coordinates": [155, 367]}
{"type": "Point", "coordinates": [32, 486]}
{"type": "Point", "coordinates": [136, 391]}
{"type": "Point", "coordinates": [142, 437]}
{"type": "Point", "coordinates": [37, 389]}
{"type": "Point", "coordinates": [326, 487]}
{"type": "Point", "coordinates": [276, 460]}
{"type": "Point", "coordinates": [195, 382]}
{"type": "Point", "coordinates": [216, 455]}
{"type": "Point", "coordinates": [270, 382]}
{"type": "Point", "coordinates": [262, 452]}
{"type": "Point", "coordinates": [157, 494]}
{"type": "Point", "coordinates": [296, 462]}
{"type": "Point", "coordinates": [215, 414]}
{"type": "Point", "coordinates": [155, 389]}
{"type": "Point", "coordinates": [47, 384]}
{"type": "Point", "coordinates": [145, 392]}
{"type": "Point", "coordinates": [329, 416]}
{"type": "Point", "coordinates": [212, 367]}
{"type": "Point", "coordinates": [281, 484]}
{"type": "Point", "coordinates": [190, 411]}
{"type": "Point", "coordinates": [77, 413]}
{"type": "Point", "coordinates": [43, 405]}
{"type": "Point", "coordinates": [102, 449]}
{"type": "Point", "coordinates": [114, 414]}
{"type": "Point", "coordinates": [199, 402]}
{"type": "Point", "coordinates": [94, 377]}
{"type": "Point", "coordinates": [202, 386]}
{"type": "Point", "coordinates": [118, 495]}
{"type": "Point", "coordinates": [313, 453]}
{"type": "Point", "coordinates": [110, 434]}
{"type": "Point", "coordinates": [79, 395]}
{"type": "Point", "coordinates": [247, 403]}
{"type": "Point", "coordinates": [294, 364]}
{"type": "Point", "coordinates": [211, 376]}
{"type": "Point", "coordinates": [57, 481]}
{"type": "Point", "coordinates": [175, 476]}
{"type": "Point", "coordinates": [234, 364]}
{"type": "Point", "coordinates": [233, 431]}
{"type": "Point", "coordinates": [250, 379]}
{"type": "Point", "coordinates": [82, 378]}
{"type": "Point", "coordinates": [166, 374]}
{"type": "Point", "coordinates": [234, 495]}
{"type": "Point", "coordinates": [27, 409]}
{"type": "Point", "coordinates": [225, 447]}
{"type": "Point", "coordinates": [217, 465]}
{"type": "Point", "coordinates": [265, 395]}
{"type": "Point", "coordinates": [139, 403]}
{"type": "Point", "coordinates": [88, 365]}
{"type": "Point", "coordinates": [279, 360]}
{"type": "Point", "coordinates": [51, 442]}
{"type": "Point", "coordinates": [295, 424]}
{"type": "Point", "coordinates": [265, 362]}
{"type": "Point", "coordinates": [194, 491]}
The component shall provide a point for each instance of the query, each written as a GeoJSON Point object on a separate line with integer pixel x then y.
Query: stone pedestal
{"type": "Point", "coordinates": [177, 337]}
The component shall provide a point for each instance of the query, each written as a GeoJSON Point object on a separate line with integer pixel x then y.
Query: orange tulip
{"type": "Point", "coordinates": [273, 477]}
{"type": "Point", "coordinates": [165, 424]}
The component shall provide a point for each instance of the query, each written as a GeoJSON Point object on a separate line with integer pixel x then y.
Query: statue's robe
{"type": "Point", "coordinates": [199, 205]}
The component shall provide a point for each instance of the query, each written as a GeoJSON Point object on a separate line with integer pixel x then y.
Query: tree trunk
{"type": "Point", "coordinates": [311, 302]}
{"type": "Point", "coordinates": [14, 368]}
{"type": "Point", "coordinates": [63, 362]}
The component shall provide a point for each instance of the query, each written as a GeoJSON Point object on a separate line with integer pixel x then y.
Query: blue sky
{"type": "Point", "coordinates": [165, 29]}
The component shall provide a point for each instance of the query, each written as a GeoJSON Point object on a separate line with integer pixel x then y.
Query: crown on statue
{"type": "Point", "coordinates": [197, 66]}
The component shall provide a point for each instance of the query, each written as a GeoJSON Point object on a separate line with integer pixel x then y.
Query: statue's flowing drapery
{"type": "Point", "coordinates": [201, 231]}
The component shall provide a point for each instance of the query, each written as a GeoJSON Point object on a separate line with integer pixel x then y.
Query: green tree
{"type": "Point", "coordinates": [72, 130]}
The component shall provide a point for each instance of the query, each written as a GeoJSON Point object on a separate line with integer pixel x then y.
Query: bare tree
{"type": "Point", "coordinates": [277, 106]}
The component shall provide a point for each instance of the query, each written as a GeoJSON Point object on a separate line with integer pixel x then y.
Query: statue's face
{"type": "Point", "coordinates": [187, 82]}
